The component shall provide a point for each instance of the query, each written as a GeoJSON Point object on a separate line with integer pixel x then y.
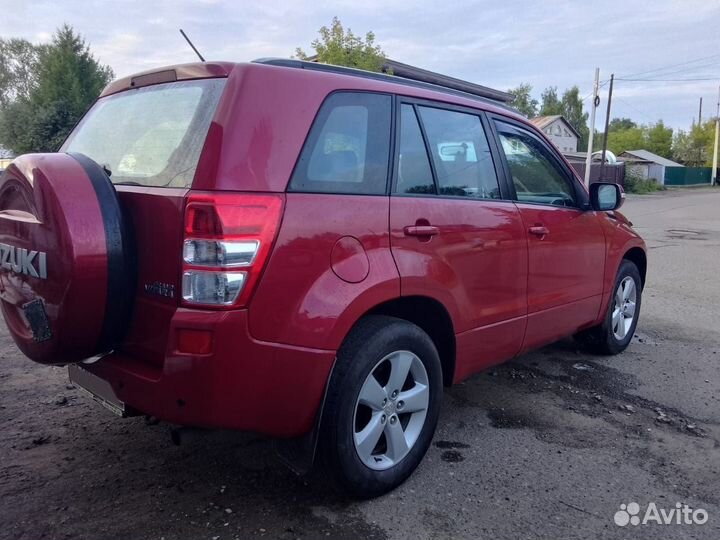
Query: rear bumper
{"type": "Point", "coordinates": [243, 384]}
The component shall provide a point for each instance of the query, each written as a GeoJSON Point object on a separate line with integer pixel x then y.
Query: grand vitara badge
{"type": "Point", "coordinates": [22, 261]}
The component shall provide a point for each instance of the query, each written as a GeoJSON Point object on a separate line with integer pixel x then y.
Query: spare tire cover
{"type": "Point", "coordinates": [66, 278]}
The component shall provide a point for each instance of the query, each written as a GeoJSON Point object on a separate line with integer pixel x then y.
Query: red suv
{"type": "Point", "coordinates": [307, 252]}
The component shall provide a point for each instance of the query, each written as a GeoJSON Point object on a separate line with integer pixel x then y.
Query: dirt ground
{"type": "Point", "coordinates": [546, 446]}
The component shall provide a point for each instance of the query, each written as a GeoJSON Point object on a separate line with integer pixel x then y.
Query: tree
{"type": "Point", "coordinates": [572, 110]}
{"type": "Point", "coordinates": [67, 81]}
{"type": "Point", "coordinates": [18, 69]}
{"type": "Point", "coordinates": [626, 139]}
{"type": "Point", "coordinates": [656, 137]}
{"type": "Point", "coordinates": [523, 101]}
{"type": "Point", "coordinates": [659, 139]}
{"type": "Point", "coordinates": [695, 148]}
{"type": "Point", "coordinates": [343, 48]}
{"type": "Point", "coordinates": [617, 124]}
{"type": "Point", "coordinates": [550, 104]}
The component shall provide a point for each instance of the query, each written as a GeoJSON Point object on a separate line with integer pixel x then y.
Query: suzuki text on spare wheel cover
{"type": "Point", "coordinates": [307, 252]}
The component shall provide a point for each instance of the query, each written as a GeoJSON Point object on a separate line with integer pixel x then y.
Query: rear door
{"type": "Point", "coordinates": [149, 140]}
{"type": "Point", "coordinates": [455, 234]}
{"type": "Point", "coordinates": [566, 244]}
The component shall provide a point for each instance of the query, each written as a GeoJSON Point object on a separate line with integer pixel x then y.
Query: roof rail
{"type": "Point", "coordinates": [330, 68]}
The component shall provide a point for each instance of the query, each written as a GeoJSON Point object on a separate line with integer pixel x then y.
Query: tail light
{"type": "Point", "coordinates": [228, 238]}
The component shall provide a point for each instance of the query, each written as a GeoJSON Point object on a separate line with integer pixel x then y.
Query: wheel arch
{"type": "Point", "coordinates": [638, 257]}
{"type": "Point", "coordinates": [427, 313]}
{"type": "Point", "coordinates": [433, 318]}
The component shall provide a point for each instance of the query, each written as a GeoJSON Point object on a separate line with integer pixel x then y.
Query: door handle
{"type": "Point", "coordinates": [539, 230]}
{"type": "Point", "coordinates": [421, 230]}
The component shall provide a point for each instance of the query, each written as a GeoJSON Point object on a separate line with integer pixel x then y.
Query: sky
{"type": "Point", "coordinates": [497, 44]}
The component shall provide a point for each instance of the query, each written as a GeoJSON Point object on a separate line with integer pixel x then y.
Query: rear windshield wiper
{"type": "Point", "coordinates": [127, 183]}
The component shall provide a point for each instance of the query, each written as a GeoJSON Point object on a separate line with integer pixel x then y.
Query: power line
{"type": "Point", "coordinates": [668, 80]}
{"type": "Point", "coordinates": [691, 68]}
{"type": "Point", "coordinates": [687, 62]}
{"type": "Point", "coordinates": [644, 114]}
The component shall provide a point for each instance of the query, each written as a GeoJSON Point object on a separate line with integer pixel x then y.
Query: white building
{"type": "Point", "coordinates": [559, 131]}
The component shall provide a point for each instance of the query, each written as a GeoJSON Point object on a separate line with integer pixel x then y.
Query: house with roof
{"type": "Point", "coordinates": [645, 164]}
{"type": "Point", "coordinates": [559, 131]}
{"type": "Point", "coordinates": [6, 157]}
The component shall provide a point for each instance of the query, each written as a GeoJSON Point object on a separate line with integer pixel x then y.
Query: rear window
{"type": "Point", "coordinates": [348, 148]}
{"type": "Point", "coordinates": [150, 136]}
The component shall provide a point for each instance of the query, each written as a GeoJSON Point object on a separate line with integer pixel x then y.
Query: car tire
{"type": "Point", "coordinates": [618, 327]}
{"type": "Point", "coordinates": [365, 418]}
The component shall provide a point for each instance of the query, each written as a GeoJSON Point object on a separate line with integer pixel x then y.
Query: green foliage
{"type": "Point", "coordinates": [572, 110]}
{"type": "Point", "coordinates": [67, 79]}
{"type": "Point", "coordinates": [640, 185]}
{"type": "Point", "coordinates": [695, 148]}
{"type": "Point", "coordinates": [617, 124]}
{"type": "Point", "coordinates": [550, 104]}
{"type": "Point", "coordinates": [626, 139]}
{"type": "Point", "coordinates": [343, 48]}
{"type": "Point", "coordinates": [625, 135]}
{"type": "Point", "coordinates": [659, 139]}
{"type": "Point", "coordinates": [18, 69]}
{"type": "Point", "coordinates": [523, 101]}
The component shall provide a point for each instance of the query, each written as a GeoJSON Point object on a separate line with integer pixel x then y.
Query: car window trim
{"type": "Point", "coordinates": [506, 194]}
{"type": "Point", "coordinates": [581, 196]}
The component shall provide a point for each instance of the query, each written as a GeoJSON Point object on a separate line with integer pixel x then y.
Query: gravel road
{"type": "Point", "coordinates": [546, 446]}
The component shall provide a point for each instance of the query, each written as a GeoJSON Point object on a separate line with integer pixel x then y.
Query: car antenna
{"type": "Point", "coordinates": [191, 44]}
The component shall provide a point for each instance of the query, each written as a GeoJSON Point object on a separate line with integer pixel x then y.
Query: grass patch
{"type": "Point", "coordinates": [637, 184]}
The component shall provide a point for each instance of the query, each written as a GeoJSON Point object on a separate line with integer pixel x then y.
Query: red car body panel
{"type": "Point", "coordinates": [243, 384]}
{"type": "Point", "coordinates": [301, 300]}
{"type": "Point", "coordinates": [566, 270]}
{"type": "Point", "coordinates": [337, 257]}
{"type": "Point", "coordinates": [476, 267]}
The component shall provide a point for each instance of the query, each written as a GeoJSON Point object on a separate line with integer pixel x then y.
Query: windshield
{"type": "Point", "coordinates": [150, 136]}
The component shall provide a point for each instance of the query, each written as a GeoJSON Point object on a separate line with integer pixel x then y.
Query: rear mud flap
{"type": "Point", "coordinates": [298, 454]}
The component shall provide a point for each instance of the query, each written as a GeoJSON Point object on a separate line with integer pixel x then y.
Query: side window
{"type": "Point", "coordinates": [536, 177]}
{"type": "Point", "coordinates": [348, 148]}
{"type": "Point", "coordinates": [460, 153]}
{"type": "Point", "coordinates": [414, 172]}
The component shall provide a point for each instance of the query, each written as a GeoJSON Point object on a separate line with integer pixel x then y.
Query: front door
{"type": "Point", "coordinates": [456, 236]}
{"type": "Point", "coordinates": [566, 244]}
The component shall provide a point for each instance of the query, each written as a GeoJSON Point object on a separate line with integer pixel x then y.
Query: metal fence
{"type": "Point", "coordinates": [614, 173]}
{"type": "Point", "coordinates": [687, 176]}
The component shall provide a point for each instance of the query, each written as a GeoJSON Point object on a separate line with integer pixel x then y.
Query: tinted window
{"type": "Point", "coordinates": [536, 177]}
{"type": "Point", "coordinates": [414, 172]}
{"type": "Point", "coordinates": [460, 153]}
{"type": "Point", "coordinates": [150, 136]}
{"type": "Point", "coordinates": [348, 147]}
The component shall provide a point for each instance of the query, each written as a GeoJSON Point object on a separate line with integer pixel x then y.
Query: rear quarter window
{"type": "Point", "coordinates": [348, 148]}
{"type": "Point", "coordinates": [150, 136]}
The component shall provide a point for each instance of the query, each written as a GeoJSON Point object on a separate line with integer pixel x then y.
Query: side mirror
{"type": "Point", "coordinates": [605, 196]}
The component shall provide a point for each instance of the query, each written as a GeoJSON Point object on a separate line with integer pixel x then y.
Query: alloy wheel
{"type": "Point", "coordinates": [624, 308]}
{"type": "Point", "coordinates": [391, 409]}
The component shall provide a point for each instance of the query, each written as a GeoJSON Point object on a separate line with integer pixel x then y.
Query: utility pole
{"type": "Point", "coordinates": [607, 125]}
{"type": "Point", "coordinates": [713, 176]}
{"type": "Point", "coordinates": [700, 114]}
{"type": "Point", "coordinates": [595, 103]}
